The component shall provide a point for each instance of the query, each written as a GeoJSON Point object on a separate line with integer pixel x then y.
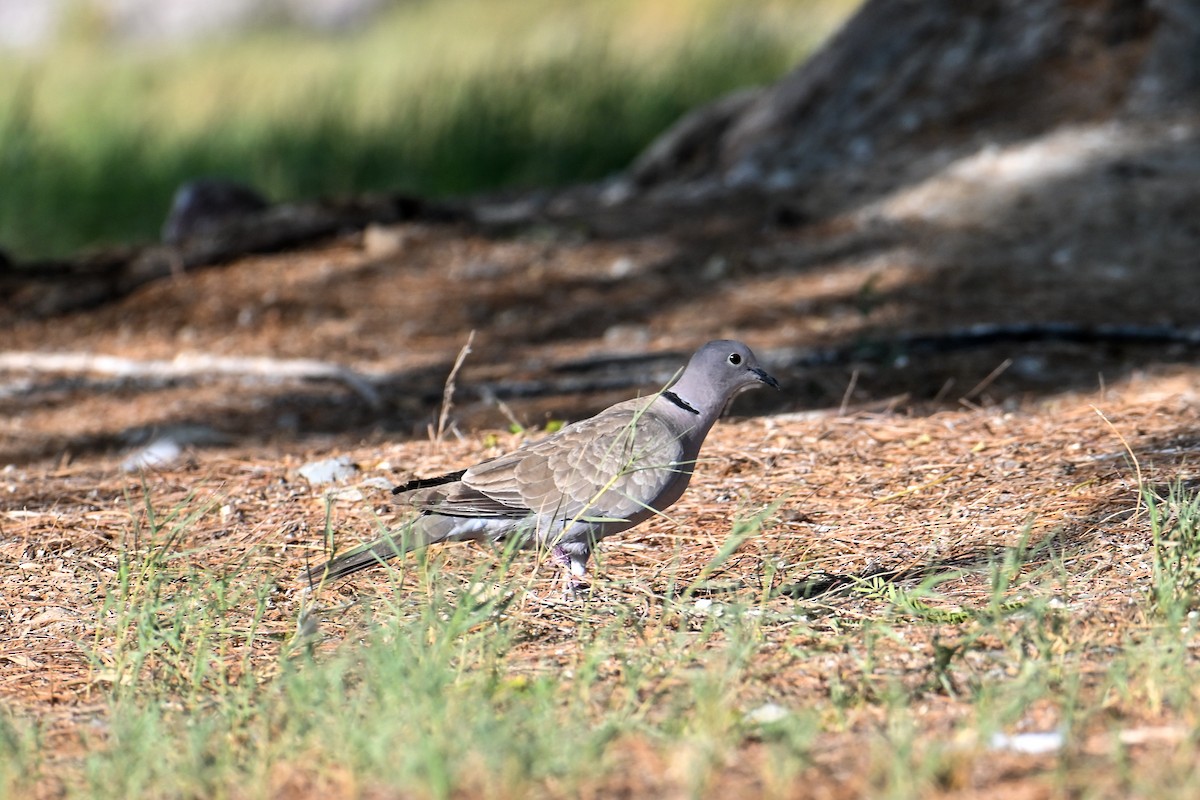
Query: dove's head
{"type": "Point", "coordinates": [718, 372]}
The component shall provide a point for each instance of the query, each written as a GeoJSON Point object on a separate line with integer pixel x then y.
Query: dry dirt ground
{"type": "Point", "coordinates": [880, 464]}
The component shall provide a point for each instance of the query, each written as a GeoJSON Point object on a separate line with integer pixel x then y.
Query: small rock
{"type": "Point", "coordinates": [380, 241]}
{"type": "Point", "coordinates": [328, 470]}
{"type": "Point", "coordinates": [715, 268]}
{"type": "Point", "coordinates": [767, 714]}
{"type": "Point", "coordinates": [706, 606]}
{"type": "Point", "coordinates": [623, 267]}
{"type": "Point", "coordinates": [1029, 743]}
{"type": "Point", "coordinates": [160, 453]}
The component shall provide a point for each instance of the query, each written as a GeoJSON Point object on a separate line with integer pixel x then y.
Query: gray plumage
{"type": "Point", "coordinates": [593, 478]}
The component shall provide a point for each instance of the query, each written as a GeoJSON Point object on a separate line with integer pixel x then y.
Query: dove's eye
{"type": "Point", "coordinates": [735, 358]}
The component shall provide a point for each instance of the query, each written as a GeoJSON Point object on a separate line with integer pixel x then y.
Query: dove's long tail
{"type": "Point", "coordinates": [359, 558]}
{"type": "Point", "coordinates": [413, 536]}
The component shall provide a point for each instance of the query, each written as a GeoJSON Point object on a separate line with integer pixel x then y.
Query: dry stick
{"type": "Point", "coordinates": [849, 392]}
{"type": "Point", "coordinates": [1137, 467]}
{"type": "Point", "coordinates": [987, 381]}
{"type": "Point", "coordinates": [448, 389]}
{"type": "Point", "coordinates": [508, 412]}
{"type": "Point", "coordinates": [942, 392]}
{"type": "Point", "coordinates": [186, 366]}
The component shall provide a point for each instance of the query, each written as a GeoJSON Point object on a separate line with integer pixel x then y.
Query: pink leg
{"type": "Point", "coordinates": [576, 569]}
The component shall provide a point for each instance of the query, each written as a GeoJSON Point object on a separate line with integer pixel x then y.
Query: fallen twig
{"type": "Point", "coordinates": [193, 365]}
{"type": "Point", "coordinates": [448, 389]}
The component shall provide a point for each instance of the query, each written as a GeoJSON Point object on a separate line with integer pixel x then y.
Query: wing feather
{"type": "Point", "coordinates": [611, 466]}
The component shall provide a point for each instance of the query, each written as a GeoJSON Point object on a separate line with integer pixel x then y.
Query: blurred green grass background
{"type": "Point", "coordinates": [438, 98]}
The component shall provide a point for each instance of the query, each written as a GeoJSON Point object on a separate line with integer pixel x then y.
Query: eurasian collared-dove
{"type": "Point", "coordinates": [591, 479]}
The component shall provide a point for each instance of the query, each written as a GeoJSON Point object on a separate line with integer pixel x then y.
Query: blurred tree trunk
{"type": "Point", "coordinates": [914, 73]}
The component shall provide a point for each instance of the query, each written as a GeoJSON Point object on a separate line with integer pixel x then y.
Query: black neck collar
{"type": "Point", "coordinates": [676, 400]}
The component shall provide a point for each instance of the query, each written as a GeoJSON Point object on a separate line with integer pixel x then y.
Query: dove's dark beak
{"type": "Point", "coordinates": [765, 378]}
